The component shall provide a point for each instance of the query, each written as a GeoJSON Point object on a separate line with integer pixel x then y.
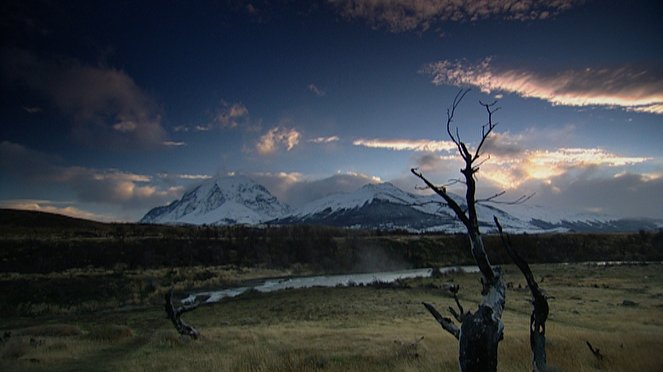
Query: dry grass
{"type": "Point", "coordinates": [365, 329]}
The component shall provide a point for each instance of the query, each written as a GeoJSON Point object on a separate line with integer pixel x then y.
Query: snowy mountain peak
{"type": "Point", "coordinates": [222, 200]}
{"type": "Point", "coordinates": [227, 200]}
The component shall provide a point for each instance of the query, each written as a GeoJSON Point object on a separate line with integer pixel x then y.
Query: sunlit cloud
{"type": "Point", "coordinates": [315, 90]}
{"type": "Point", "coordinates": [406, 144]}
{"type": "Point", "coordinates": [112, 186]}
{"type": "Point", "coordinates": [63, 208]}
{"type": "Point", "coordinates": [626, 87]}
{"type": "Point", "coordinates": [406, 15]}
{"type": "Point", "coordinates": [278, 137]}
{"type": "Point", "coordinates": [368, 177]}
{"type": "Point", "coordinates": [329, 139]}
{"type": "Point", "coordinates": [511, 171]}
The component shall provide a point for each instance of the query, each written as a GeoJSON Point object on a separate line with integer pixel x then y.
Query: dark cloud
{"type": "Point", "coordinates": [106, 106]}
{"type": "Point", "coordinates": [406, 15]}
{"type": "Point", "coordinates": [623, 195]}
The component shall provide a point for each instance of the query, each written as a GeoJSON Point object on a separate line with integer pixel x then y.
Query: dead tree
{"type": "Point", "coordinates": [174, 314]}
{"type": "Point", "coordinates": [537, 323]}
{"type": "Point", "coordinates": [480, 332]}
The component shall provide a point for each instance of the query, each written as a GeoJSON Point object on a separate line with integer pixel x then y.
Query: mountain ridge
{"type": "Point", "coordinates": [229, 200]}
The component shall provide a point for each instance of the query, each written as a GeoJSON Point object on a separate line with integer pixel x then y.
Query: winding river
{"type": "Point", "coordinates": [272, 285]}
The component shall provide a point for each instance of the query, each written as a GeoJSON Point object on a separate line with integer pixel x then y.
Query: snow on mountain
{"type": "Point", "coordinates": [224, 200]}
{"type": "Point", "coordinates": [386, 206]}
{"type": "Point", "coordinates": [239, 200]}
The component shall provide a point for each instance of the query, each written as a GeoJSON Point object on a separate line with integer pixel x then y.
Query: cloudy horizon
{"type": "Point", "coordinates": [109, 110]}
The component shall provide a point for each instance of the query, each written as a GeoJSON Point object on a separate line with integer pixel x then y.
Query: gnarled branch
{"type": "Point", "coordinates": [174, 314]}
{"type": "Point", "coordinates": [537, 330]}
{"type": "Point", "coordinates": [445, 322]}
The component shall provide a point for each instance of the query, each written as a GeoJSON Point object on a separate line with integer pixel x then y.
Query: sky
{"type": "Point", "coordinates": [108, 109]}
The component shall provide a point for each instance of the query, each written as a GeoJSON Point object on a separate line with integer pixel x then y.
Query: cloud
{"type": "Point", "coordinates": [64, 208]}
{"type": "Point", "coordinates": [230, 115]}
{"type": "Point", "coordinates": [626, 87]}
{"type": "Point", "coordinates": [296, 189]}
{"type": "Point", "coordinates": [184, 176]}
{"type": "Point", "coordinates": [32, 109]}
{"type": "Point", "coordinates": [324, 139]}
{"type": "Point", "coordinates": [174, 143]}
{"type": "Point", "coordinates": [406, 15]}
{"type": "Point", "coordinates": [625, 194]}
{"type": "Point", "coordinates": [511, 164]}
{"type": "Point", "coordinates": [277, 137]}
{"type": "Point", "coordinates": [315, 90]}
{"type": "Point", "coordinates": [107, 107]}
{"type": "Point", "coordinates": [406, 144]}
{"type": "Point", "coordinates": [110, 186]}
{"type": "Point", "coordinates": [433, 162]}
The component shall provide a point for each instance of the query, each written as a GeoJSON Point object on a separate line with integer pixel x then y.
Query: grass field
{"type": "Point", "coordinates": [358, 328]}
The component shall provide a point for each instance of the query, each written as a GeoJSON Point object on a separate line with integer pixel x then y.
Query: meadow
{"type": "Point", "coordinates": [78, 295]}
{"type": "Point", "coordinates": [618, 308]}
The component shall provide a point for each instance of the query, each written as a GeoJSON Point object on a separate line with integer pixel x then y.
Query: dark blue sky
{"type": "Point", "coordinates": [108, 109]}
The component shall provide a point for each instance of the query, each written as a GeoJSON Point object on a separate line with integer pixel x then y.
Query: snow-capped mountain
{"type": "Point", "coordinates": [239, 200]}
{"type": "Point", "coordinates": [224, 200]}
{"type": "Point", "coordinates": [385, 206]}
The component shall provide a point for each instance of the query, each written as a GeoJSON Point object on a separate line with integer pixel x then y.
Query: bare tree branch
{"type": "Point", "coordinates": [490, 126]}
{"type": "Point", "coordinates": [450, 115]}
{"type": "Point", "coordinates": [174, 314]}
{"type": "Point", "coordinates": [537, 331]}
{"type": "Point", "coordinates": [443, 193]}
{"type": "Point", "coordinates": [445, 322]}
{"type": "Point", "coordinates": [596, 352]}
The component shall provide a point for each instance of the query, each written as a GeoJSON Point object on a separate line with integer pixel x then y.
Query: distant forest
{"type": "Point", "coordinates": [32, 242]}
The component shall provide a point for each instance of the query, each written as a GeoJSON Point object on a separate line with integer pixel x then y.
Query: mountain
{"type": "Point", "coordinates": [238, 200]}
{"type": "Point", "coordinates": [385, 206]}
{"type": "Point", "coordinates": [224, 200]}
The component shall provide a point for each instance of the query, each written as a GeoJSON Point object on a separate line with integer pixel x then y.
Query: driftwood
{"type": "Point", "coordinates": [174, 314]}
{"type": "Point", "coordinates": [537, 325]}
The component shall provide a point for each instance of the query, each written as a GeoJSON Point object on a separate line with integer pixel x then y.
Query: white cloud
{"type": "Point", "coordinates": [626, 87]}
{"type": "Point", "coordinates": [329, 139]}
{"type": "Point", "coordinates": [297, 189]}
{"type": "Point", "coordinates": [184, 176]}
{"type": "Point", "coordinates": [174, 143]}
{"type": "Point", "coordinates": [278, 137]}
{"type": "Point", "coordinates": [315, 90]}
{"type": "Point", "coordinates": [406, 144]}
{"type": "Point", "coordinates": [405, 15]}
